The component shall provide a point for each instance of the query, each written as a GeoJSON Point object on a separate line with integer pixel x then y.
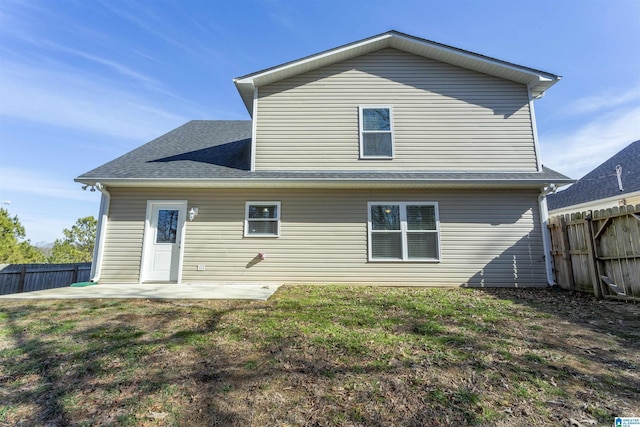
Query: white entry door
{"type": "Point", "coordinates": [162, 241]}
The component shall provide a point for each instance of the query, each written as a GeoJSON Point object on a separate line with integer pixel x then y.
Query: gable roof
{"type": "Point", "coordinates": [211, 153]}
{"type": "Point", "coordinates": [538, 81]}
{"type": "Point", "coordinates": [602, 182]}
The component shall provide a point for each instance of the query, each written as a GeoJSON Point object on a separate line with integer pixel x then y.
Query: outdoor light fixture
{"type": "Point", "coordinates": [192, 213]}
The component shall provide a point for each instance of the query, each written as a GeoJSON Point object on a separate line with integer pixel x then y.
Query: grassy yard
{"type": "Point", "coordinates": [323, 356]}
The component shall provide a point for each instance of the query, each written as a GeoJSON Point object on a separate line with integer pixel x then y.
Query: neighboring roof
{"type": "Point", "coordinates": [218, 152]}
{"type": "Point", "coordinates": [539, 81]}
{"type": "Point", "coordinates": [602, 182]}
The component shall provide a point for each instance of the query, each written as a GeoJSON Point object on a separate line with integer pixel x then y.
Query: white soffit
{"type": "Point", "coordinates": [538, 81]}
{"type": "Point", "coordinates": [329, 184]}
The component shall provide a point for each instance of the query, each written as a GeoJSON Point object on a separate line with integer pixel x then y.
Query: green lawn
{"type": "Point", "coordinates": [317, 355]}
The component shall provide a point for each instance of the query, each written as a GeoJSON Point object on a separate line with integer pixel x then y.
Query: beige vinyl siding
{"type": "Point", "coordinates": [444, 117]}
{"type": "Point", "coordinates": [123, 237]}
{"type": "Point", "coordinates": [488, 238]}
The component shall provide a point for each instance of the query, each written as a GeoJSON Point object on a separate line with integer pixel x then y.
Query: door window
{"type": "Point", "coordinates": [167, 226]}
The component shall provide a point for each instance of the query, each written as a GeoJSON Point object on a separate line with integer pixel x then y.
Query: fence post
{"type": "Point", "coordinates": [23, 274]}
{"type": "Point", "coordinates": [74, 276]}
{"type": "Point", "coordinates": [593, 269]}
{"type": "Point", "coordinates": [566, 253]}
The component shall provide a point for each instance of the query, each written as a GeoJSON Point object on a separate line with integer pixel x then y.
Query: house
{"type": "Point", "coordinates": [616, 182]}
{"type": "Point", "coordinates": [392, 160]}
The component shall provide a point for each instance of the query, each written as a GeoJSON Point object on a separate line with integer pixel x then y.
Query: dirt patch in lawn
{"type": "Point", "coordinates": [323, 355]}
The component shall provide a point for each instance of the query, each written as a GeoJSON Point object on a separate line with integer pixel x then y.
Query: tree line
{"type": "Point", "coordinates": [76, 245]}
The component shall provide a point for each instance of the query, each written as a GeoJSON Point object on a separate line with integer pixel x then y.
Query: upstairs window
{"type": "Point", "coordinates": [262, 219]}
{"type": "Point", "coordinates": [376, 133]}
{"type": "Point", "coordinates": [404, 231]}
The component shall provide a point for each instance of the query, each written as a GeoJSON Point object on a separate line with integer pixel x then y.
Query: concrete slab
{"type": "Point", "coordinates": [257, 291]}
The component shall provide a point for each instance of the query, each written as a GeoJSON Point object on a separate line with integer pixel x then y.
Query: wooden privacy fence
{"type": "Point", "coordinates": [598, 252]}
{"type": "Point", "coordinates": [15, 278]}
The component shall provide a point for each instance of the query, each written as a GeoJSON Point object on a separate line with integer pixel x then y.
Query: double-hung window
{"type": "Point", "coordinates": [262, 219]}
{"type": "Point", "coordinates": [376, 133]}
{"type": "Point", "coordinates": [404, 231]}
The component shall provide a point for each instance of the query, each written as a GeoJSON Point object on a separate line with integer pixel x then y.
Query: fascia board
{"type": "Point", "coordinates": [312, 62]}
{"type": "Point", "coordinates": [538, 81]}
{"type": "Point", "coordinates": [246, 84]}
{"type": "Point", "coordinates": [467, 59]}
{"type": "Point", "coordinates": [328, 183]}
{"type": "Point", "coordinates": [246, 91]}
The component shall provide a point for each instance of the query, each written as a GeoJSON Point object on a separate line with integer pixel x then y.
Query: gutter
{"type": "Point", "coordinates": [546, 233]}
{"type": "Point", "coordinates": [103, 218]}
{"type": "Point", "coordinates": [333, 182]}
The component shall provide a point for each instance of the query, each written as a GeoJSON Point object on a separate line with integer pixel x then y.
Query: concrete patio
{"type": "Point", "coordinates": [252, 291]}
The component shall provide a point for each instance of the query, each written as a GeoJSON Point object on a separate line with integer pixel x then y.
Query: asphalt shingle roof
{"type": "Point", "coordinates": [197, 149]}
{"type": "Point", "coordinates": [602, 182]}
{"type": "Point", "coordinates": [221, 150]}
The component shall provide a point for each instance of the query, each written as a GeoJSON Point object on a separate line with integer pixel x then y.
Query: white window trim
{"type": "Point", "coordinates": [404, 231]}
{"type": "Point", "coordinates": [246, 219]}
{"type": "Point", "coordinates": [361, 131]}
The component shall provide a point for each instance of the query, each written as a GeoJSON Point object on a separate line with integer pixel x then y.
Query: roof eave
{"type": "Point", "coordinates": [538, 81]}
{"type": "Point", "coordinates": [263, 182]}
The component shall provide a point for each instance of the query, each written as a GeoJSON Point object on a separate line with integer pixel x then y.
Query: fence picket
{"type": "Point", "coordinates": [599, 243]}
{"type": "Point", "coordinates": [15, 278]}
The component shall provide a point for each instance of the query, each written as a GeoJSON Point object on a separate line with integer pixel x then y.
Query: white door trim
{"type": "Point", "coordinates": [148, 235]}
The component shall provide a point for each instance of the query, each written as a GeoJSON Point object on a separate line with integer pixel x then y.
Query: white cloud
{"type": "Point", "coordinates": [147, 82]}
{"type": "Point", "coordinates": [23, 181]}
{"type": "Point", "coordinates": [44, 204]}
{"type": "Point", "coordinates": [120, 68]}
{"type": "Point", "coordinates": [577, 152]}
{"type": "Point", "coordinates": [68, 98]}
{"type": "Point", "coordinates": [46, 225]}
{"type": "Point", "coordinates": [157, 25]}
{"type": "Point", "coordinates": [149, 57]}
{"type": "Point", "coordinates": [603, 101]}
{"type": "Point", "coordinates": [42, 227]}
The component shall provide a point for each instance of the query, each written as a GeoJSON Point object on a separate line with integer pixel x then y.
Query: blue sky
{"type": "Point", "coordinates": [82, 82]}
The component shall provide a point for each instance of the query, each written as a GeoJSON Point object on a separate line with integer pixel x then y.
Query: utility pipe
{"type": "Point", "coordinates": [103, 218]}
{"type": "Point", "coordinates": [546, 234]}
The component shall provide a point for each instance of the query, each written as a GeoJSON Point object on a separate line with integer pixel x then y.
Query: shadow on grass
{"type": "Point", "coordinates": [321, 356]}
{"type": "Point", "coordinates": [590, 347]}
{"type": "Point", "coordinates": [102, 364]}
{"type": "Point", "coordinates": [510, 358]}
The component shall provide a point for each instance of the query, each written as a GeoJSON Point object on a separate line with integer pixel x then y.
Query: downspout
{"type": "Point", "coordinates": [103, 218]}
{"type": "Point", "coordinates": [534, 127]}
{"type": "Point", "coordinates": [546, 234]}
{"type": "Point", "coordinates": [254, 128]}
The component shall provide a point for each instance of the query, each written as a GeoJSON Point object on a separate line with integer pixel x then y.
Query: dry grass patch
{"type": "Point", "coordinates": [334, 356]}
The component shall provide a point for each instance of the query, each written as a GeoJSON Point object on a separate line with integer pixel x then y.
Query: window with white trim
{"type": "Point", "coordinates": [376, 133]}
{"type": "Point", "coordinates": [404, 231]}
{"type": "Point", "coordinates": [262, 219]}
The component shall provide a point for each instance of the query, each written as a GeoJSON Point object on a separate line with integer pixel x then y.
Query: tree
{"type": "Point", "coordinates": [77, 244]}
{"type": "Point", "coordinates": [14, 249]}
